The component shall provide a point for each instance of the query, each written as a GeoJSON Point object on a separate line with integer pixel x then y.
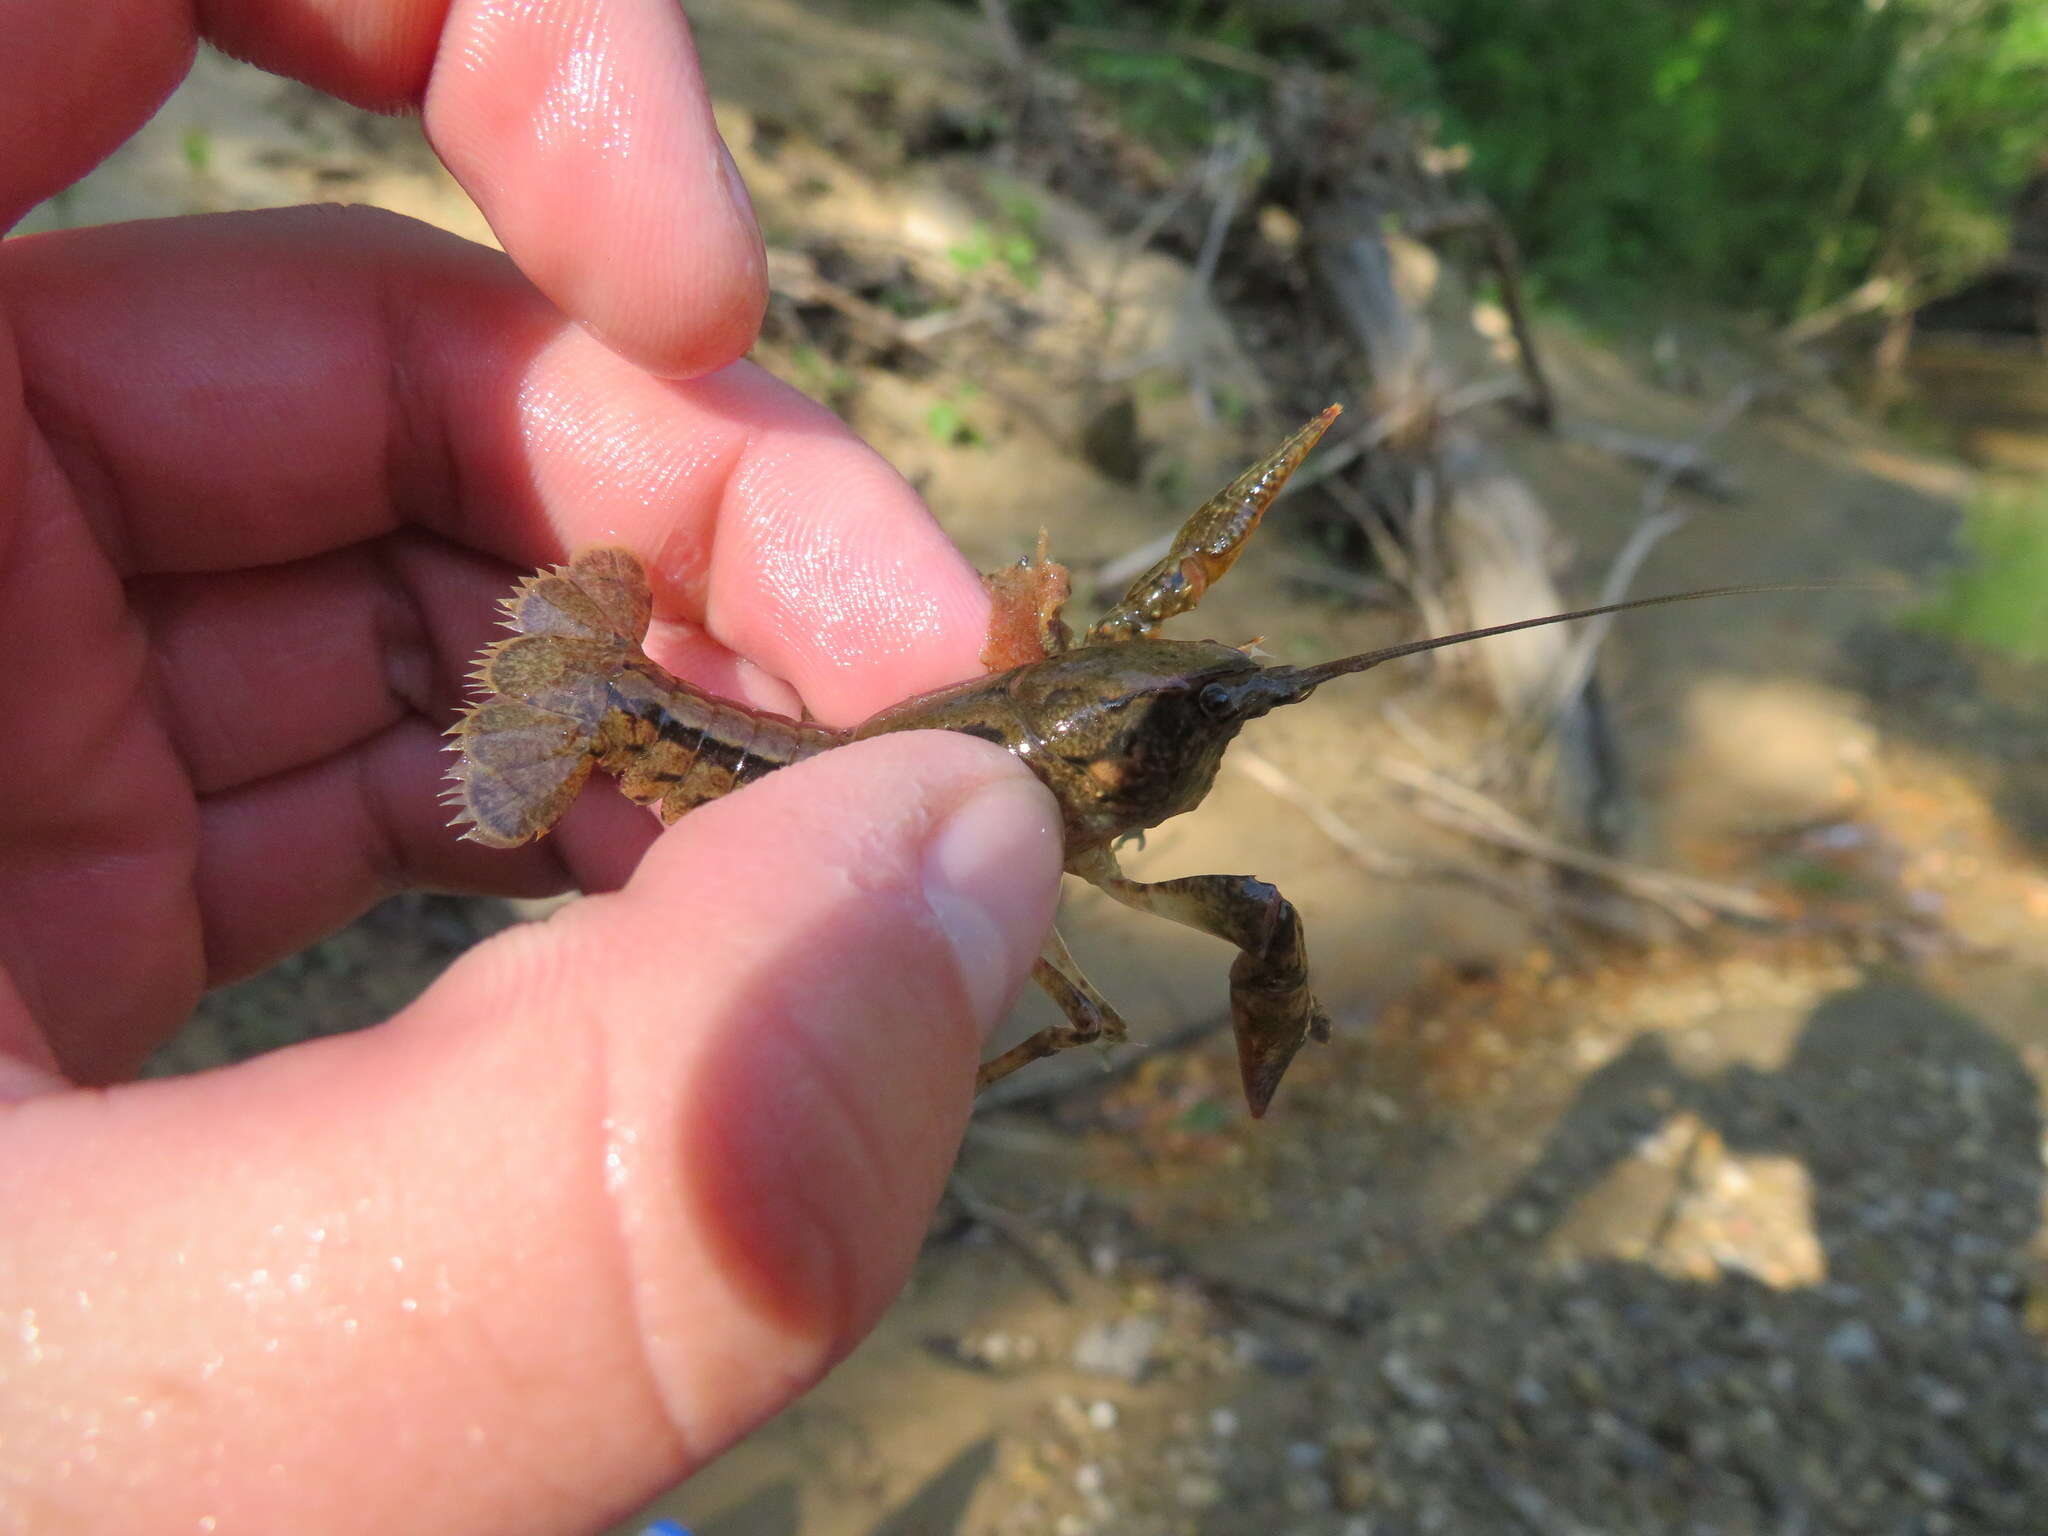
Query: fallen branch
{"type": "Point", "coordinates": [1003, 32]}
{"type": "Point", "coordinates": [1222, 176]}
{"type": "Point", "coordinates": [1879, 293]}
{"type": "Point", "coordinates": [1018, 1231]}
{"type": "Point", "coordinates": [1502, 251]}
{"type": "Point", "coordinates": [1393, 866]}
{"type": "Point", "coordinates": [1028, 1087]}
{"type": "Point", "coordinates": [1692, 901]}
{"type": "Point", "coordinates": [1332, 457]}
{"type": "Point", "coordinates": [1354, 584]}
{"type": "Point", "coordinates": [1691, 471]}
{"type": "Point", "coordinates": [1655, 521]}
{"type": "Point", "coordinates": [1390, 554]}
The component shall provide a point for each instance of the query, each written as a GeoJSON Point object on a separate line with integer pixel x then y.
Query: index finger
{"type": "Point", "coordinates": [583, 131]}
{"type": "Point", "coordinates": [249, 390]}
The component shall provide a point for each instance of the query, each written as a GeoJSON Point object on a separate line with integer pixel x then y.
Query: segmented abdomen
{"type": "Point", "coordinates": [674, 747]}
{"type": "Point", "coordinates": [573, 690]}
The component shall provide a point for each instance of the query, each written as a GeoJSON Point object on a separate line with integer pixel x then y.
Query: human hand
{"type": "Point", "coordinates": [621, 1183]}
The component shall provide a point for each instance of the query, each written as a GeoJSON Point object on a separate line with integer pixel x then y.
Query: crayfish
{"type": "Point", "coordinates": [1124, 728]}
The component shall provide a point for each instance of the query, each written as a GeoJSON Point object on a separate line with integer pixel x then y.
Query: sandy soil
{"type": "Point", "coordinates": [1737, 1234]}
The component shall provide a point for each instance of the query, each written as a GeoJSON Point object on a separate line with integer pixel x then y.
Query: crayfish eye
{"type": "Point", "coordinates": [1217, 702]}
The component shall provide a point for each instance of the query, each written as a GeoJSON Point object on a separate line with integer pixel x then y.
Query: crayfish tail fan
{"type": "Point", "coordinates": [524, 749]}
{"type": "Point", "coordinates": [602, 594]}
{"type": "Point", "coordinates": [517, 769]}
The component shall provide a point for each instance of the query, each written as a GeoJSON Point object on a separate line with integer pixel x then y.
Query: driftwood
{"type": "Point", "coordinates": [1504, 256]}
{"type": "Point", "coordinates": [1465, 536]}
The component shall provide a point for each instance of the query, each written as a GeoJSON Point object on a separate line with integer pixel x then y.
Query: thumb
{"type": "Point", "coordinates": [609, 1194]}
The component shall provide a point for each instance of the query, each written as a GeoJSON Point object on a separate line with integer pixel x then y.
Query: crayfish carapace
{"type": "Point", "coordinates": [1126, 729]}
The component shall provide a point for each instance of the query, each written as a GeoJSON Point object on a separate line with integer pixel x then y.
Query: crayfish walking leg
{"type": "Point", "coordinates": [1091, 1020]}
{"type": "Point", "coordinates": [1272, 1009]}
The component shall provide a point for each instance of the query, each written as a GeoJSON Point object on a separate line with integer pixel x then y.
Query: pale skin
{"type": "Point", "coordinates": [623, 1183]}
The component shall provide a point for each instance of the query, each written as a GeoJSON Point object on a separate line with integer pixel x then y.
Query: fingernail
{"type": "Point", "coordinates": [991, 879]}
{"type": "Point", "coordinates": [736, 190]}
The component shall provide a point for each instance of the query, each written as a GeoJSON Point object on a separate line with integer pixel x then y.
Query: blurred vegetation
{"type": "Point", "coordinates": [1773, 154]}
{"type": "Point", "coordinates": [2000, 598]}
{"type": "Point", "coordinates": [1012, 241]}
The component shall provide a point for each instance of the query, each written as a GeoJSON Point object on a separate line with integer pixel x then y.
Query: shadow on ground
{"type": "Point", "coordinates": [1900, 1390]}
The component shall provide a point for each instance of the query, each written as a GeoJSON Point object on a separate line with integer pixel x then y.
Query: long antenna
{"type": "Point", "coordinates": [1309, 677]}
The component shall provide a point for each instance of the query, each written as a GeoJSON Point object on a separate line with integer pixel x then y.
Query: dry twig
{"type": "Point", "coordinates": [1377, 861]}
{"type": "Point", "coordinates": [1692, 901]}
{"type": "Point", "coordinates": [1879, 293]}
{"type": "Point", "coordinates": [1693, 472]}
{"type": "Point", "coordinates": [1655, 520]}
{"type": "Point", "coordinates": [1018, 1231]}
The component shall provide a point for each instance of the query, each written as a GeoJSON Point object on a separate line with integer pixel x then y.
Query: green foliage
{"type": "Point", "coordinates": [1205, 1117]}
{"type": "Point", "coordinates": [825, 380]}
{"type": "Point", "coordinates": [1815, 877]}
{"type": "Point", "coordinates": [984, 246]}
{"type": "Point", "coordinates": [2001, 598]}
{"type": "Point", "coordinates": [948, 422]}
{"type": "Point", "coordinates": [1233, 407]}
{"type": "Point", "coordinates": [1772, 153]}
{"type": "Point", "coordinates": [196, 145]}
{"type": "Point", "coordinates": [1768, 153]}
{"type": "Point", "coordinates": [1012, 240]}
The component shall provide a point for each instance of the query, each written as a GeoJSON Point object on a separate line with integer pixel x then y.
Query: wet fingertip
{"type": "Point", "coordinates": [689, 338]}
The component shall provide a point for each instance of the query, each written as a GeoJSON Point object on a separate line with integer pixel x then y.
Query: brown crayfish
{"type": "Point", "coordinates": [1124, 728]}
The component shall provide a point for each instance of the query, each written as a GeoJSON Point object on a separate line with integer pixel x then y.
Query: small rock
{"type": "Point", "coordinates": [1352, 1437]}
{"type": "Point", "coordinates": [1306, 1495]}
{"type": "Point", "coordinates": [1852, 1343]}
{"type": "Point", "coordinates": [1943, 1400]}
{"type": "Point", "coordinates": [1306, 1455]}
{"type": "Point", "coordinates": [1930, 1485]}
{"type": "Point", "coordinates": [1355, 1485]}
{"type": "Point", "coordinates": [1072, 1416]}
{"type": "Point", "coordinates": [1409, 1384]}
{"type": "Point", "coordinates": [1427, 1439]}
{"type": "Point", "coordinates": [1263, 1354]}
{"type": "Point", "coordinates": [1122, 1349]}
